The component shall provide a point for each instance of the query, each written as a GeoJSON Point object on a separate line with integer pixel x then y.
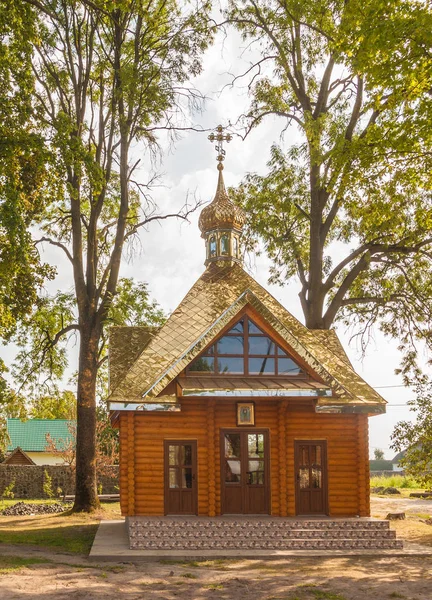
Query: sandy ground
{"type": "Point", "coordinates": [350, 578]}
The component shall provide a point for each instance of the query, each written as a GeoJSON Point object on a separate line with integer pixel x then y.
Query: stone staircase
{"type": "Point", "coordinates": [255, 533]}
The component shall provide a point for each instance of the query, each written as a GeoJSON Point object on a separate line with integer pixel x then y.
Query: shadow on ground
{"type": "Point", "coordinates": [353, 578]}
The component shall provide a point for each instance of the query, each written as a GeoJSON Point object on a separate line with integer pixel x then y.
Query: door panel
{"type": "Point", "coordinates": [311, 477]}
{"type": "Point", "coordinates": [180, 477]}
{"type": "Point", "coordinates": [245, 472]}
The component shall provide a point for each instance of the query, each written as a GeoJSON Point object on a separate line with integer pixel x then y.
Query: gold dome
{"type": "Point", "coordinates": [221, 213]}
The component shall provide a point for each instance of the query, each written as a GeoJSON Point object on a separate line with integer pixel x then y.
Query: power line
{"type": "Point", "coordinates": [382, 387]}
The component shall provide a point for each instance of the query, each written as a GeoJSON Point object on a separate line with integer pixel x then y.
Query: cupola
{"type": "Point", "coordinates": [221, 222]}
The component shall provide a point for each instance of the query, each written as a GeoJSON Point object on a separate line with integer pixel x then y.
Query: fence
{"type": "Point", "coordinates": [29, 480]}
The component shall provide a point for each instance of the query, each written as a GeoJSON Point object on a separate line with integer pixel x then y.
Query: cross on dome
{"type": "Point", "coordinates": [221, 222]}
{"type": "Point", "coordinates": [220, 137]}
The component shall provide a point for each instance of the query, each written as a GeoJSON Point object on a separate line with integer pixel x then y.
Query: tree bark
{"type": "Point", "coordinates": [86, 496]}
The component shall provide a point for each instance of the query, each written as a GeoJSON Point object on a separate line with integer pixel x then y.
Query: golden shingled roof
{"type": "Point", "coordinates": [125, 345]}
{"type": "Point", "coordinates": [212, 302]}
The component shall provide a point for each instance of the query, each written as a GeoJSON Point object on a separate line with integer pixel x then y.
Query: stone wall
{"type": "Point", "coordinates": [29, 480]}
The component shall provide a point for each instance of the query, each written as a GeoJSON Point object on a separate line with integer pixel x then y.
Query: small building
{"type": "Point", "coordinates": [18, 457]}
{"type": "Point", "coordinates": [234, 407]}
{"type": "Point", "coordinates": [396, 462]}
{"type": "Point", "coordinates": [28, 440]}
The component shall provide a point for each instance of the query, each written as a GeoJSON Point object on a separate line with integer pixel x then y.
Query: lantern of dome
{"type": "Point", "coordinates": [221, 222]}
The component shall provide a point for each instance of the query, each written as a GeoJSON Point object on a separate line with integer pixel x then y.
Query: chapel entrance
{"type": "Point", "coordinates": [180, 477]}
{"type": "Point", "coordinates": [245, 485]}
{"type": "Point", "coordinates": [311, 477]}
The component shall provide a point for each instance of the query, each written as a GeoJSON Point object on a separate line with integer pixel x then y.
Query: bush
{"type": "Point", "coordinates": [397, 481]}
{"type": "Point", "coordinates": [8, 491]}
{"type": "Point", "coordinates": [47, 485]}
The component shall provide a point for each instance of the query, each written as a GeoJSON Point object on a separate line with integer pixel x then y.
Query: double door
{"type": "Point", "coordinates": [245, 472]}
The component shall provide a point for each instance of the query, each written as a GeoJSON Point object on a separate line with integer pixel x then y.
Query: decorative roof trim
{"type": "Point", "coordinates": [357, 409]}
{"type": "Point", "coordinates": [284, 393]}
{"type": "Point", "coordinates": [145, 406]}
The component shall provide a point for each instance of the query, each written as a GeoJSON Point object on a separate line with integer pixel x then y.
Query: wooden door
{"type": "Point", "coordinates": [181, 477]}
{"type": "Point", "coordinates": [311, 477]}
{"type": "Point", "coordinates": [245, 472]}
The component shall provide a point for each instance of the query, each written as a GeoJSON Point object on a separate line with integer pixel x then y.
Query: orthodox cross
{"type": "Point", "coordinates": [220, 137]}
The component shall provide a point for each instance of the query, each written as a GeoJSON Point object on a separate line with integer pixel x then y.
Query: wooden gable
{"type": "Point", "coordinates": [18, 457]}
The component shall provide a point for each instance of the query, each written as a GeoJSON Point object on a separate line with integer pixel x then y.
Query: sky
{"type": "Point", "coordinates": [170, 256]}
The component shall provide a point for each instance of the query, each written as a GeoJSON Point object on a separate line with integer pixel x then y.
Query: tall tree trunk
{"type": "Point", "coordinates": [315, 293]}
{"type": "Point", "coordinates": [86, 497]}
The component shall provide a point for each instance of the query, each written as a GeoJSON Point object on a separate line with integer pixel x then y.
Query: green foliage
{"type": "Point", "coordinates": [397, 481]}
{"type": "Point", "coordinates": [25, 186]}
{"type": "Point", "coordinates": [47, 485]}
{"type": "Point", "coordinates": [133, 306]}
{"type": "Point", "coordinates": [12, 406]}
{"type": "Point", "coordinates": [43, 356]}
{"type": "Point", "coordinates": [378, 454]}
{"type": "Point", "coordinates": [416, 438]}
{"type": "Point", "coordinates": [347, 209]}
{"type": "Point", "coordinates": [8, 491]}
{"type": "Point", "coordinates": [61, 406]}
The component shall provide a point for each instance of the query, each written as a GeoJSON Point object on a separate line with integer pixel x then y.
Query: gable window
{"type": "Point", "coordinates": [245, 350]}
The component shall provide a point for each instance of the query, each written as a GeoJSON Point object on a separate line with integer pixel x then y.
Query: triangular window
{"type": "Point", "coordinates": [245, 350]}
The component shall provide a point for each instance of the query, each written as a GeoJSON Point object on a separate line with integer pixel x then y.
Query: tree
{"type": "Point", "coordinates": [416, 438]}
{"type": "Point", "coordinates": [12, 406]}
{"type": "Point", "coordinates": [378, 454]}
{"type": "Point", "coordinates": [24, 180]}
{"type": "Point", "coordinates": [107, 75]}
{"type": "Point", "coordinates": [59, 406]}
{"type": "Point", "coordinates": [348, 209]}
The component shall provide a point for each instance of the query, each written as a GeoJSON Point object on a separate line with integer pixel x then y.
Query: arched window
{"type": "Point", "coordinates": [212, 246]}
{"type": "Point", "coordinates": [224, 245]}
{"type": "Point", "coordinates": [245, 350]}
{"type": "Point", "coordinates": [235, 247]}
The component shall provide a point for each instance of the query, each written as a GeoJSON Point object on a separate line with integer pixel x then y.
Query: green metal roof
{"type": "Point", "coordinates": [30, 435]}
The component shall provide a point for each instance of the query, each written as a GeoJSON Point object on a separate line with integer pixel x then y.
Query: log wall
{"type": "Point", "coordinates": [142, 454]}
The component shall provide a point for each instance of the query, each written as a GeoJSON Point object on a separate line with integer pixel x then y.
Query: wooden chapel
{"type": "Point", "coordinates": [233, 407]}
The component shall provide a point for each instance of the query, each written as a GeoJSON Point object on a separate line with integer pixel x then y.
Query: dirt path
{"type": "Point", "coordinates": [409, 505]}
{"type": "Point", "coordinates": [295, 579]}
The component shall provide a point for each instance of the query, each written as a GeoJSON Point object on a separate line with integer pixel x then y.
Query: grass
{"type": "Point", "coordinates": [68, 532]}
{"type": "Point", "coordinates": [397, 481]}
{"type": "Point", "coordinates": [214, 586]}
{"type": "Point", "coordinates": [8, 564]}
{"type": "Point", "coordinates": [68, 536]}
